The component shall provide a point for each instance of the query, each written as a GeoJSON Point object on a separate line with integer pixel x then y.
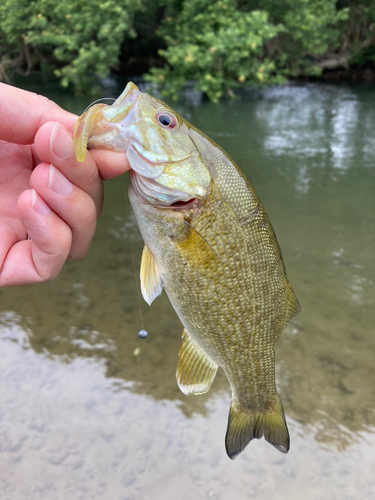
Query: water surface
{"type": "Point", "coordinates": [83, 417]}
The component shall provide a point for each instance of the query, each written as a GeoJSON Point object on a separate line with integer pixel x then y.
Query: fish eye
{"type": "Point", "coordinates": [166, 119]}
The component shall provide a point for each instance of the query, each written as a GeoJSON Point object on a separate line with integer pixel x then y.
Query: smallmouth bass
{"type": "Point", "coordinates": [209, 243]}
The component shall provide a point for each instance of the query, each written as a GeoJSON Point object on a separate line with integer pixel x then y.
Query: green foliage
{"type": "Point", "coordinates": [359, 34]}
{"type": "Point", "coordinates": [218, 46]}
{"type": "Point", "coordinates": [223, 43]}
{"type": "Point", "coordinates": [78, 39]}
{"type": "Point", "coordinates": [311, 29]}
{"type": "Point", "coordinates": [313, 26]}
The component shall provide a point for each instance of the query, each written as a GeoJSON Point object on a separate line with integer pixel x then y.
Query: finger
{"type": "Point", "coordinates": [42, 257]}
{"type": "Point", "coordinates": [10, 235]}
{"type": "Point", "coordinates": [110, 163]}
{"type": "Point", "coordinates": [54, 144]}
{"type": "Point", "coordinates": [16, 163]}
{"type": "Point", "coordinates": [22, 113]}
{"type": "Point", "coordinates": [71, 204]}
{"type": "Point", "coordinates": [34, 155]}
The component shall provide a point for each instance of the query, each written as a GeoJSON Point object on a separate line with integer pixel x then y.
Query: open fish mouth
{"type": "Point", "coordinates": [166, 173]}
{"type": "Point", "coordinates": [121, 127]}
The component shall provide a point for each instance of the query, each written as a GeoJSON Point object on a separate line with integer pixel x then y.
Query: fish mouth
{"type": "Point", "coordinates": [99, 124]}
{"type": "Point", "coordinates": [123, 105]}
{"type": "Point", "coordinates": [119, 127]}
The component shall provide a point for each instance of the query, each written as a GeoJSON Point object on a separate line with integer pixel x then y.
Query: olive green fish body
{"type": "Point", "coordinates": [229, 288]}
{"type": "Point", "coordinates": [209, 243]}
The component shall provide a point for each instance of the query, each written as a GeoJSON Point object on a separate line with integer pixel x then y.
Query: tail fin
{"type": "Point", "coordinates": [244, 426]}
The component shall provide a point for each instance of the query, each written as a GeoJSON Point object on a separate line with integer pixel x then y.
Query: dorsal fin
{"type": "Point", "coordinates": [195, 370]}
{"type": "Point", "coordinates": [151, 280]}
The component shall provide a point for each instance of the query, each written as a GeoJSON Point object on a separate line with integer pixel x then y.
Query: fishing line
{"type": "Point", "coordinates": [98, 100]}
{"type": "Point", "coordinates": [142, 332]}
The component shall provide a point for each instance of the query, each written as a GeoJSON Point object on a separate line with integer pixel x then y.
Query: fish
{"type": "Point", "coordinates": [210, 245]}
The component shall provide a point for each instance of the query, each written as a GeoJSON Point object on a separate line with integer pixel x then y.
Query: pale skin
{"type": "Point", "coordinates": [49, 202]}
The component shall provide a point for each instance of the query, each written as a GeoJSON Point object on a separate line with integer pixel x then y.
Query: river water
{"type": "Point", "coordinates": [88, 410]}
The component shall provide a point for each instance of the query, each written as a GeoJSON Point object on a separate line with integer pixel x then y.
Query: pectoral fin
{"type": "Point", "coordinates": [195, 249]}
{"type": "Point", "coordinates": [151, 280]}
{"type": "Point", "coordinates": [195, 370]}
{"type": "Point", "coordinates": [292, 306]}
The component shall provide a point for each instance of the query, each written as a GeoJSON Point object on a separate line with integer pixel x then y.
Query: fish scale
{"type": "Point", "coordinates": [225, 325]}
{"type": "Point", "coordinates": [209, 243]}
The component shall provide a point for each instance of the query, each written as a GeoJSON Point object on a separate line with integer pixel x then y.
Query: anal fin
{"type": "Point", "coordinates": [195, 370]}
{"type": "Point", "coordinates": [151, 280]}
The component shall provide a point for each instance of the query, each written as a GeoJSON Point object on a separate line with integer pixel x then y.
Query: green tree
{"type": "Point", "coordinates": [359, 32]}
{"type": "Point", "coordinates": [76, 39]}
{"type": "Point", "coordinates": [221, 44]}
{"type": "Point", "coordinates": [216, 45]}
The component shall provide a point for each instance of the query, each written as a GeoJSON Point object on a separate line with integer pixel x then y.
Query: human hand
{"type": "Point", "coordinates": [46, 195]}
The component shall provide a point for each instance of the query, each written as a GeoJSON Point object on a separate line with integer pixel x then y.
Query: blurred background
{"type": "Point", "coordinates": [88, 410]}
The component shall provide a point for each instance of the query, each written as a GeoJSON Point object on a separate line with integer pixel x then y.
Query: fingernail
{"type": "Point", "coordinates": [61, 142]}
{"type": "Point", "coordinates": [58, 182]}
{"type": "Point", "coordinates": [38, 204]}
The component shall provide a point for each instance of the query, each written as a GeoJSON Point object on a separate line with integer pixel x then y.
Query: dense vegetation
{"type": "Point", "coordinates": [218, 44]}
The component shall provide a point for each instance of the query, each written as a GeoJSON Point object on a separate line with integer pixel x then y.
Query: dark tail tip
{"type": "Point", "coordinates": [244, 426]}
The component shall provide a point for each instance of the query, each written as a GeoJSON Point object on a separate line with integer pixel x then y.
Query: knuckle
{"type": "Point", "coordinates": [79, 254]}
{"type": "Point", "coordinates": [89, 214]}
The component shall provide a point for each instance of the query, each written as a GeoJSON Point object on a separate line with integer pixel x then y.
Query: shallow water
{"type": "Point", "coordinates": [83, 417]}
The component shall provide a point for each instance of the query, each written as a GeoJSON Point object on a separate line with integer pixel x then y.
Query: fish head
{"type": "Point", "coordinates": [167, 168]}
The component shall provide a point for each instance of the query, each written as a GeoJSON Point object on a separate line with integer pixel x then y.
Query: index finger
{"type": "Point", "coordinates": [22, 113]}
